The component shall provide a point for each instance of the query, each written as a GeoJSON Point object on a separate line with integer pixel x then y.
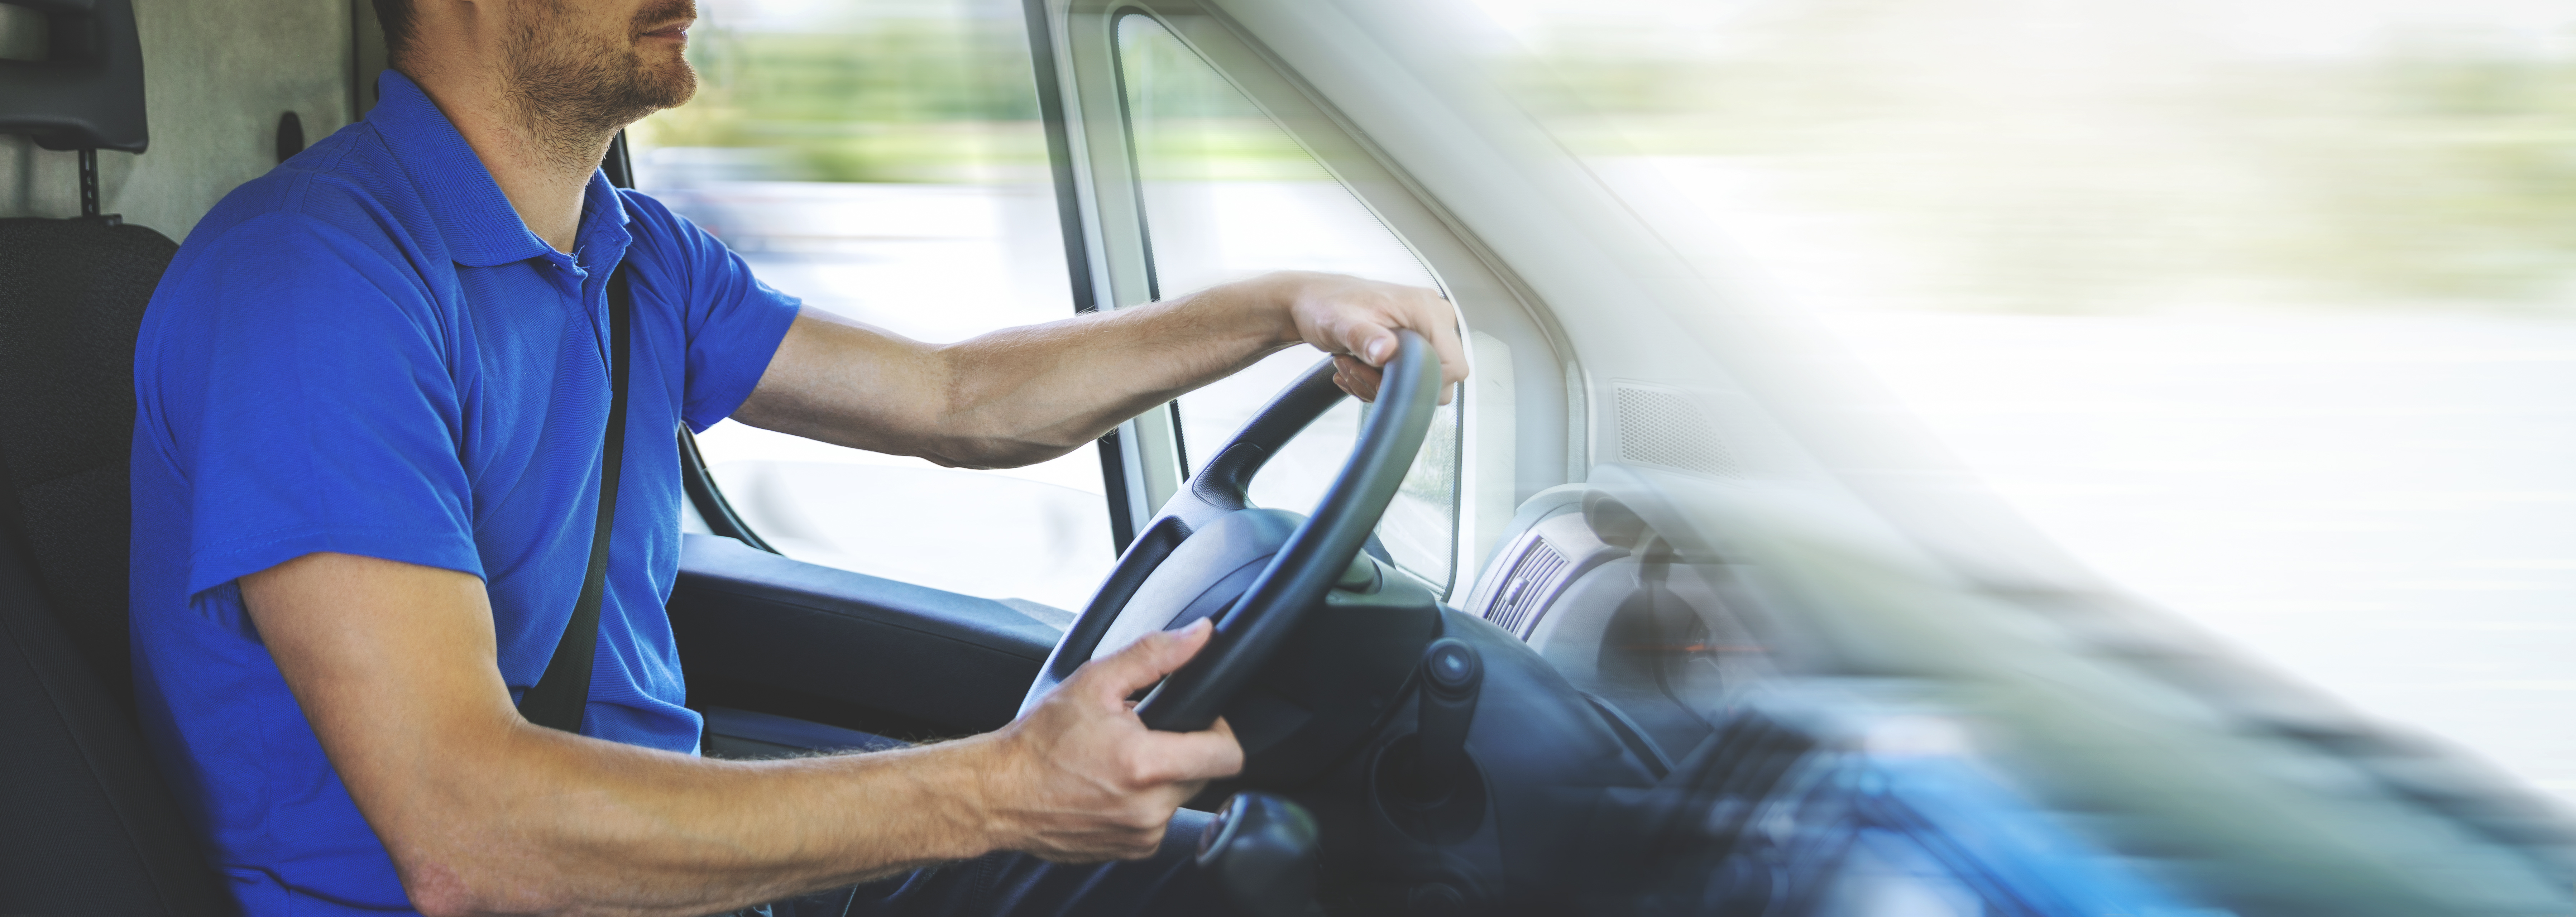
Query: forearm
{"type": "Point", "coordinates": [1018, 395]}
{"type": "Point", "coordinates": [1027, 394]}
{"type": "Point", "coordinates": [393, 665]}
{"type": "Point", "coordinates": [543, 821]}
{"type": "Point", "coordinates": [481, 811]}
{"type": "Point", "coordinates": [538, 821]}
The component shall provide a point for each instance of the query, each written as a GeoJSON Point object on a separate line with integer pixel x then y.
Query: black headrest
{"type": "Point", "coordinates": [88, 91]}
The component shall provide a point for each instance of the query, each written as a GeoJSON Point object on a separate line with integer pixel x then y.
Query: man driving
{"type": "Point", "coordinates": [368, 460]}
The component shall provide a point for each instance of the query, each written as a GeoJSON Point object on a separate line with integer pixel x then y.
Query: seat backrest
{"type": "Point", "coordinates": [86, 825]}
{"type": "Point", "coordinates": [72, 294]}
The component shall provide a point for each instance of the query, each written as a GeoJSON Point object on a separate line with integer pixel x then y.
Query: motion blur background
{"type": "Point", "coordinates": [2264, 309]}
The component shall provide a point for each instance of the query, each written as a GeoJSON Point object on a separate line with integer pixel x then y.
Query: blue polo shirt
{"type": "Point", "coordinates": [365, 351]}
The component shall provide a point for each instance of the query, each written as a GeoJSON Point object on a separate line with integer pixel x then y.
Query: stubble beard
{"type": "Point", "coordinates": [571, 89]}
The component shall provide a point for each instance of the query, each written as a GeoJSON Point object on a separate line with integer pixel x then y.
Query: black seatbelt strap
{"type": "Point", "coordinates": [560, 694]}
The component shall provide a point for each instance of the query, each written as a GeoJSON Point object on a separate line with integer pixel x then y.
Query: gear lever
{"type": "Point", "coordinates": [1261, 850]}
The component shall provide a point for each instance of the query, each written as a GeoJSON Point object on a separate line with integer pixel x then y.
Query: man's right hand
{"type": "Point", "coordinates": [1081, 779]}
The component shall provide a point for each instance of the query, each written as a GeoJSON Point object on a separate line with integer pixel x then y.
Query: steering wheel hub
{"type": "Point", "coordinates": [1204, 575]}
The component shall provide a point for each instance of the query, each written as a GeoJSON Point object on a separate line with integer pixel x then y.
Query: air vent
{"type": "Point", "coordinates": [1517, 601]}
{"type": "Point", "coordinates": [1661, 427]}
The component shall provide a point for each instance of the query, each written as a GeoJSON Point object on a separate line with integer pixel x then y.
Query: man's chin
{"type": "Point", "coordinates": [669, 86]}
{"type": "Point", "coordinates": [677, 95]}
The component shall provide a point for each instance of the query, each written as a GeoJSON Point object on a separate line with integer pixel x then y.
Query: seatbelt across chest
{"type": "Point", "coordinates": [560, 695]}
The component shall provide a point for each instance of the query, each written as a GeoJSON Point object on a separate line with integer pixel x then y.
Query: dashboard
{"type": "Point", "coordinates": [1761, 794]}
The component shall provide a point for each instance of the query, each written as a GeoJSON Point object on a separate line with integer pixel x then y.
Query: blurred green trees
{"type": "Point", "coordinates": [2451, 175]}
{"type": "Point", "coordinates": [2067, 157]}
{"type": "Point", "coordinates": [2108, 157]}
{"type": "Point", "coordinates": [938, 92]}
{"type": "Point", "coordinates": [869, 99]}
{"type": "Point", "coordinates": [1190, 124]}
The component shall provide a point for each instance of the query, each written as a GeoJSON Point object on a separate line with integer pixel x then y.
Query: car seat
{"type": "Point", "coordinates": [87, 825]}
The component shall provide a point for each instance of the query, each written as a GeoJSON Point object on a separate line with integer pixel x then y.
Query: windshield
{"type": "Point", "coordinates": [2261, 309]}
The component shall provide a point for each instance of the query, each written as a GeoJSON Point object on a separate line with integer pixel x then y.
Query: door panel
{"type": "Point", "coordinates": [767, 633]}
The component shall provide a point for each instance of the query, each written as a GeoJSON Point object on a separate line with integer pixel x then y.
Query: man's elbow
{"type": "Point", "coordinates": [437, 890]}
{"type": "Point", "coordinates": [988, 452]}
{"type": "Point", "coordinates": [447, 893]}
{"type": "Point", "coordinates": [457, 883]}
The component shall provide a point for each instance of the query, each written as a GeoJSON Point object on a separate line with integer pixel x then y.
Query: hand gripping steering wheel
{"type": "Point", "coordinates": [1206, 543]}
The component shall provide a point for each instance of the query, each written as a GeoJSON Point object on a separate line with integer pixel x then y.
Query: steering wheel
{"type": "Point", "coordinates": [1209, 551]}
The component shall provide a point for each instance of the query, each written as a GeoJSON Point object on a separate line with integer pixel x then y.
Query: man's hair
{"type": "Point", "coordinates": [395, 17]}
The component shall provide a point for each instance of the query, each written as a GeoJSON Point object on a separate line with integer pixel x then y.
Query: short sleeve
{"type": "Point", "coordinates": [734, 322]}
{"type": "Point", "coordinates": [298, 382]}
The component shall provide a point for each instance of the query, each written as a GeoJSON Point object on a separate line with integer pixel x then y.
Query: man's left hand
{"type": "Point", "coordinates": [1355, 320]}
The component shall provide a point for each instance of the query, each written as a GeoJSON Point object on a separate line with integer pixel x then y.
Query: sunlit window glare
{"type": "Point", "coordinates": [2265, 310]}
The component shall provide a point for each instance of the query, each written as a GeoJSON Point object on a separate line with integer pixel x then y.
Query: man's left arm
{"type": "Point", "coordinates": [1024, 395]}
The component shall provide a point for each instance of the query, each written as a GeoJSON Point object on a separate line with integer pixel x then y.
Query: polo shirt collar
{"type": "Point", "coordinates": [474, 218]}
{"type": "Point", "coordinates": [603, 237]}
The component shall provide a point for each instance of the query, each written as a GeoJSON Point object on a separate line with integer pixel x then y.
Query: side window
{"type": "Point", "coordinates": [1226, 193]}
{"type": "Point", "coordinates": [886, 162]}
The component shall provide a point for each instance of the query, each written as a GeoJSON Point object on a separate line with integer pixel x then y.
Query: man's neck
{"type": "Point", "coordinates": [543, 171]}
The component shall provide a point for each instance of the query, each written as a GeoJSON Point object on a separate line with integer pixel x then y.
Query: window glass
{"type": "Point", "coordinates": [1228, 194]}
{"type": "Point", "coordinates": [2265, 309]}
{"type": "Point", "coordinates": [884, 161]}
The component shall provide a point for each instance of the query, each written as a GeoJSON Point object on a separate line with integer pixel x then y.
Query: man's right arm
{"type": "Point", "coordinates": [483, 811]}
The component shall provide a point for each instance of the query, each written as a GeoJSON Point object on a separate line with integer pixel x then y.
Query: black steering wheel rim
{"type": "Point", "coordinates": [1256, 625]}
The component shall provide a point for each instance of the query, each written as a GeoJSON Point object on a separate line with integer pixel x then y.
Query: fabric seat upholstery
{"type": "Point", "coordinates": [72, 294]}
{"type": "Point", "coordinates": [87, 826]}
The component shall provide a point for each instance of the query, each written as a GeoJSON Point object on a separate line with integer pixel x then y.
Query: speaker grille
{"type": "Point", "coordinates": [1658, 427]}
